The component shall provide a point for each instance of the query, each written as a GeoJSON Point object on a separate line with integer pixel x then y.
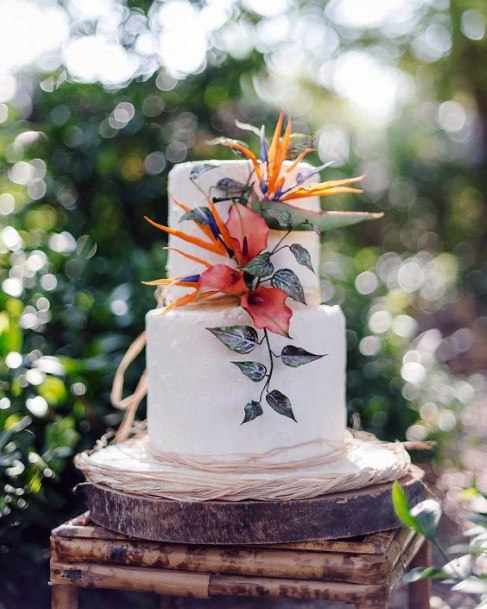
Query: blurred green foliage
{"type": "Point", "coordinates": [81, 168]}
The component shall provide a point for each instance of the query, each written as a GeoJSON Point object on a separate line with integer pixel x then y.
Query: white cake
{"type": "Point", "coordinates": [245, 369]}
{"type": "Point", "coordinates": [196, 395]}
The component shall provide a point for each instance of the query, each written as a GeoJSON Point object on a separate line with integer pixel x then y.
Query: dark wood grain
{"type": "Point", "coordinates": [333, 516]}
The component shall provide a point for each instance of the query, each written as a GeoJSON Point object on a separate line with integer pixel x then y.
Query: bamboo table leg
{"type": "Point", "coordinates": [64, 597]}
{"type": "Point", "coordinates": [420, 591]}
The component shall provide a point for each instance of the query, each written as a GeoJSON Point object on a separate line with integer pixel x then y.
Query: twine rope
{"type": "Point", "coordinates": [130, 467]}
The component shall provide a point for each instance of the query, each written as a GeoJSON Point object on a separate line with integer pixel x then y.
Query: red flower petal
{"type": "Point", "coordinates": [268, 310]}
{"type": "Point", "coordinates": [249, 232]}
{"type": "Point", "coordinates": [223, 278]}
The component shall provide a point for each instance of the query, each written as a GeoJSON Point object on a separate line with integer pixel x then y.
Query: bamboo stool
{"type": "Point", "coordinates": [361, 570]}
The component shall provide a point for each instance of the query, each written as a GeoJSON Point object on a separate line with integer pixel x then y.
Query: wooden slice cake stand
{"type": "Point", "coordinates": [346, 514]}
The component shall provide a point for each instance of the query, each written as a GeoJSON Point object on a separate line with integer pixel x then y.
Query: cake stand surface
{"type": "Point", "coordinates": [346, 514]}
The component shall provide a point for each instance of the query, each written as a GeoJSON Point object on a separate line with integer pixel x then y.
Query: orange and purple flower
{"type": "Point", "coordinates": [242, 237]}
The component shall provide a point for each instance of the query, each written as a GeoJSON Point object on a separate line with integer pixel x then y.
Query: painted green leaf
{"type": "Point", "coordinates": [252, 411]}
{"type": "Point", "coordinates": [231, 187]}
{"type": "Point", "coordinates": [241, 339]}
{"type": "Point", "coordinates": [427, 516]}
{"type": "Point", "coordinates": [277, 219]}
{"type": "Point", "coordinates": [319, 221]}
{"type": "Point", "coordinates": [260, 266]}
{"type": "Point", "coordinates": [302, 255]}
{"type": "Point", "coordinates": [280, 403]}
{"type": "Point", "coordinates": [295, 356]}
{"type": "Point", "coordinates": [287, 280]}
{"type": "Point", "coordinates": [195, 173]}
{"type": "Point", "coordinates": [200, 214]}
{"type": "Point", "coordinates": [254, 370]}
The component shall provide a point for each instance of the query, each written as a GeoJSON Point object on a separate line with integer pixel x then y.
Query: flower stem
{"type": "Point", "coordinates": [271, 367]}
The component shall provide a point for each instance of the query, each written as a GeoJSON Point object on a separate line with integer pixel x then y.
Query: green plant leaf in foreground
{"type": "Point", "coordinates": [423, 573]}
{"type": "Point", "coordinates": [401, 507]}
{"type": "Point", "coordinates": [422, 518]}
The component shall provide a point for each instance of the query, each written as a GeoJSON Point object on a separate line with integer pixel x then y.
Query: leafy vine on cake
{"type": "Point", "coordinates": [249, 274]}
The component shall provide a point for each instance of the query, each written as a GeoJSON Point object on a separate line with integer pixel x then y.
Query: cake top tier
{"type": "Point", "coordinates": [256, 224]}
{"type": "Point", "coordinates": [213, 181]}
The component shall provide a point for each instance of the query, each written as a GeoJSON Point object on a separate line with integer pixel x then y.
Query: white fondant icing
{"type": "Point", "coordinates": [185, 190]}
{"type": "Point", "coordinates": [197, 396]}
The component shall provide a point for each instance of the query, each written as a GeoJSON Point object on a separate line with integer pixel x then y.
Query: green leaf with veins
{"type": "Point", "coordinates": [280, 403]}
{"type": "Point", "coordinates": [200, 214]}
{"type": "Point", "coordinates": [260, 266]}
{"type": "Point", "coordinates": [287, 280]}
{"type": "Point", "coordinates": [254, 370]}
{"type": "Point", "coordinates": [277, 219]}
{"type": "Point", "coordinates": [302, 255]}
{"type": "Point", "coordinates": [231, 187]}
{"type": "Point", "coordinates": [252, 411]}
{"type": "Point", "coordinates": [308, 220]}
{"type": "Point", "coordinates": [195, 173]}
{"type": "Point", "coordinates": [241, 339]}
{"type": "Point", "coordinates": [296, 356]}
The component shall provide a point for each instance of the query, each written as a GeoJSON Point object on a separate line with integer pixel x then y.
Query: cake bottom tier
{"type": "Point", "coordinates": [197, 394]}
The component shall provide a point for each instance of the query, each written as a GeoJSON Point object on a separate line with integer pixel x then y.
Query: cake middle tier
{"type": "Point", "coordinates": [197, 393]}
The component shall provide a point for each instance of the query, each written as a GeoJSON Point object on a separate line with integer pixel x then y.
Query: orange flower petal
{"type": "Point", "coordinates": [249, 232]}
{"type": "Point", "coordinates": [290, 168]}
{"type": "Point", "coordinates": [268, 309]}
{"type": "Point", "coordinates": [275, 138]}
{"type": "Point", "coordinates": [215, 247]}
{"type": "Point", "coordinates": [327, 192]}
{"type": "Point", "coordinates": [190, 257]}
{"type": "Point", "coordinates": [179, 302]}
{"type": "Point", "coordinates": [225, 279]}
{"type": "Point", "coordinates": [247, 153]}
{"type": "Point", "coordinates": [221, 225]}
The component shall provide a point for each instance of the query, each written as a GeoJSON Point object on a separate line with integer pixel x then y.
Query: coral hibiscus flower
{"type": "Point", "coordinates": [268, 309]}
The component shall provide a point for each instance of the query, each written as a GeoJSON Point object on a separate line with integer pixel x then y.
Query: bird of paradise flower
{"type": "Point", "coordinates": [273, 192]}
